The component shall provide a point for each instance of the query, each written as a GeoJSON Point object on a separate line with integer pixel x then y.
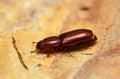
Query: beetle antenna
{"type": "Point", "coordinates": [34, 42]}
{"type": "Point", "coordinates": [34, 51]}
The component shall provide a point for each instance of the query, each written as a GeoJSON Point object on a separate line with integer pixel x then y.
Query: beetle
{"type": "Point", "coordinates": [67, 39]}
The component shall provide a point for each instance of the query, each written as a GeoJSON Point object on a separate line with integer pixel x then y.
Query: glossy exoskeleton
{"type": "Point", "coordinates": [66, 39]}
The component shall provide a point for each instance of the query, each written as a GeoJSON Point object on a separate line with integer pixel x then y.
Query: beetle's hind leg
{"type": "Point", "coordinates": [87, 53]}
{"type": "Point", "coordinates": [71, 55]}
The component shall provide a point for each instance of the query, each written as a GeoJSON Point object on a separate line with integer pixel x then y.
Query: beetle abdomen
{"type": "Point", "coordinates": [75, 37]}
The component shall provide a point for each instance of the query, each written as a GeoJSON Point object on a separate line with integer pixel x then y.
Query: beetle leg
{"type": "Point", "coordinates": [87, 53]}
{"type": "Point", "coordinates": [71, 55]}
{"type": "Point", "coordinates": [48, 55]}
{"type": "Point", "coordinates": [48, 51]}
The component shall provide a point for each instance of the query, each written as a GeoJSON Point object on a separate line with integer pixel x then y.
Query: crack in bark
{"type": "Point", "coordinates": [19, 55]}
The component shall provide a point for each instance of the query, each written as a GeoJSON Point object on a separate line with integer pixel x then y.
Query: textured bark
{"type": "Point", "coordinates": [33, 20]}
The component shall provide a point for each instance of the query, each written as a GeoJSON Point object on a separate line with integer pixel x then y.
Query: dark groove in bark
{"type": "Point", "coordinates": [19, 55]}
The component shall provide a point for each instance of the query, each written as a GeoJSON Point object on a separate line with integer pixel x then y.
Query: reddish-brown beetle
{"type": "Point", "coordinates": [66, 39]}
